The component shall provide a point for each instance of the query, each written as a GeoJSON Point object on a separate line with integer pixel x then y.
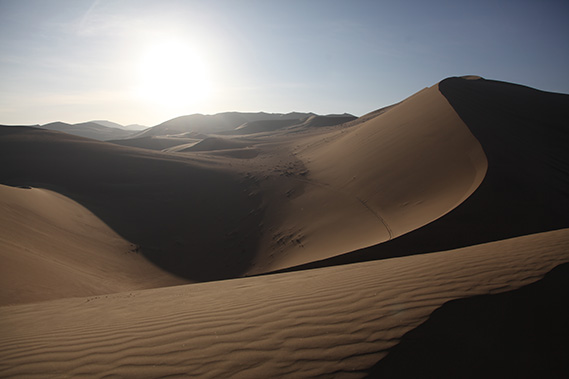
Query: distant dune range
{"type": "Point", "coordinates": [99, 130]}
{"type": "Point", "coordinates": [473, 171]}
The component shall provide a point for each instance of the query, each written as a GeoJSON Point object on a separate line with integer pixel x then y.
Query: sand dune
{"type": "Point", "coordinates": [269, 202]}
{"type": "Point", "coordinates": [215, 143]}
{"type": "Point", "coordinates": [468, 164]}
{"type": "Point", "coordinates": [231, 207]}
{"type": "Point", "coordinates": [110, 124]}
{"type": "Point", "coordinates": [92, 130]}
{"type": "Point", "coordinates": [192, 217]}
{"type": "Point", "coordinates": [267, 126]}
{"type": "Point", "coordinates": [377, 180]}
{"type": "Point", "coordinates": [333, 322]}
{"type": "Point", "coordinates": [51, 247]}
{"type": "Point", "coordinates": [158, 143]}
{"type": "Point", "coordinates": [214, 123]}
{"type": "Point", "coordinates": [330, 120]}
{"type": "Point", "coordinates": [262, 126]}
{"type": "Point", "coordinates": [523, 132]}
{"type": "Point", "coordinates": [521, 333]}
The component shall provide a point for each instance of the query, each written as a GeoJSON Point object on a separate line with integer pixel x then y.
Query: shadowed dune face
{"type": "Point", "coordinates": [523, 132]}
{"type": "Point", "coordinates": [521, 333]}
{"type": "Point", "coordinates": [193, 219]}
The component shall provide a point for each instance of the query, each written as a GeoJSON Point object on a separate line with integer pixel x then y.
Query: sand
{"type": "Point", "coordinates": [332, 322]}
{"type": "Point", "coordinates": [382, 178]}
{"type": "Point", "coordinates": [457, 191]}
{"type": "Point", "coordinates": [229, 206]}
{"type": "Point", "coordinates": [51, 248]}
{"type": "Point", "coordinates": [194, 218]}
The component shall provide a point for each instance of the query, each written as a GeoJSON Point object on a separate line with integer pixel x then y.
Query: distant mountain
{"type": "Point", "coordinates": [135, 127]}
{"type": "Point", "coordinates": [220, 122]}
{"type": "Point", "coordinates": [110, 124]}
{"type": "Point", "coordinates": [92, 130]}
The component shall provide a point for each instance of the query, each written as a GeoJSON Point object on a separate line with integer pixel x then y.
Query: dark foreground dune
{"type": "Point", "coordinates": [521, 333]}
{"type": "Point", "coordinates": [330, 322]}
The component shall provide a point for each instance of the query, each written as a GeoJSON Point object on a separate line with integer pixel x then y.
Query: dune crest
{"type": "Point", "coordinates": [524, 134]}
{"type": "Point", "coordinates": [380, 179]}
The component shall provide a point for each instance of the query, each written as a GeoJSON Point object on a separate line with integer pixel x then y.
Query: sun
{"type": "Point", "coordinates": [173, 74]}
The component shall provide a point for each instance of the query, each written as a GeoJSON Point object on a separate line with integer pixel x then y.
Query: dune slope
{"type": "Point", "coordinates": [51, 247]}
{"type": "Point", "coordinates": [193, 218]}
{"type": "Point", "coordinates": [336, 321]}
{"type": "Point", "coordinates": [521, 333]}
{"type": "Point", "coordinates": [155, 143]}
{"type": "Point", "coordinates": [376, 180]}
{"type": "Point", "coordinates": [523, 132]}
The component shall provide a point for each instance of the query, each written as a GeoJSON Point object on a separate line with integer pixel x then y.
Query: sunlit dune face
{"type": "Point", "coordinates": [172, 74]}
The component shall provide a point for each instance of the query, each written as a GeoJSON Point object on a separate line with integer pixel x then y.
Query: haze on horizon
{"type": "Point", "coordinates": [145, 62]}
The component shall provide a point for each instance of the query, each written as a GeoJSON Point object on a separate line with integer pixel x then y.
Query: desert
{"type": "Point", "coordinates": [261, 245]}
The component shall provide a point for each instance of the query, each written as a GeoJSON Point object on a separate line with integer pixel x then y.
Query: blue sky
{"type": "Point", "coordinates": [81, 60]}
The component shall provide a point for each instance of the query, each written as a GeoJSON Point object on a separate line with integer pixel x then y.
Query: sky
{"type": "Point", "coordinates": [145, 62]}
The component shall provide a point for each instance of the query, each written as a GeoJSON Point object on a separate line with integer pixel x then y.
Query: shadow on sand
{"type": "Point", "coordinates": [516, 334]}
{"type": "Point", "coordinates": [524, 134]}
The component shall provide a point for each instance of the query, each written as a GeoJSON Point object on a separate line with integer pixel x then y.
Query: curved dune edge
{"type": "Point", "coordinates": [523, 132]}
{"type": "Point", "coordinates": [333, 321]}
{"type": "Point", "coordinates": [287, 200]}
{"type": "Point", "coordinates": [51, 247]}
{"type": "Point", "coordinates": [380, 179]}
{"type": "Point", "coordinates": [515, 334]}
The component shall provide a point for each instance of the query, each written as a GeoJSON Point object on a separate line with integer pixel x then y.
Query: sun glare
{"type": "Point", "coordinates": [174, 75]}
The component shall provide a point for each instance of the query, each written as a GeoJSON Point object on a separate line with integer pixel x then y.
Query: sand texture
{"type": "Point", "coordinates": [412, 241]}
{"type": "Point", "coordinates": [328, 322]}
